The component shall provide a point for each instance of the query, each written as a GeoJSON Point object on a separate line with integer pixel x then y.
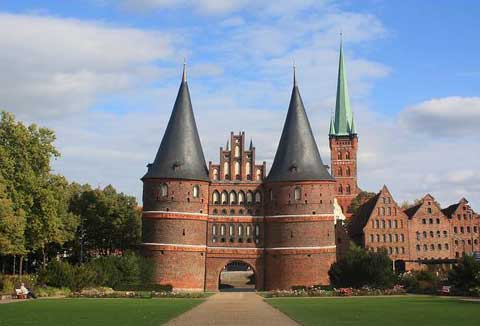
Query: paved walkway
{"type": "Point", "coordinates": [233, 308]}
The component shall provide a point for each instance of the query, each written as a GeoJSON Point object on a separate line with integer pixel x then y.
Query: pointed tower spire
{"type": "Point", "coordinates": [184, 74]}
{"type": "Point", "coordinates": [228, 145]}
{"type": "Point", "coordinates": [251, 144]}
{"type": "Point", "coordinates": [332, 125]}
{"type": "Point", "coordinates": [343, 113]}
{"type": "Point", "coordinates": [297, 157]}
{"type": "Point", "coordinates": [294, 74]}
{"type": "Point", "coordinates": [180, 155]}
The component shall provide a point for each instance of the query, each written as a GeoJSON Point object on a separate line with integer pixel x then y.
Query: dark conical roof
{"type": "Point", "coordinates": [180, 155]}
{"type": "Point", "coordinates": [297, 156]}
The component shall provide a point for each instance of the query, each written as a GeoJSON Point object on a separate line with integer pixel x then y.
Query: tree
{"type": "Point", "coordinates": [110, 221]}
{"type": "Point", "coordinates": [363, 268]}
{"type": "Point", "coordinates": [12, 227]}
{"type": "Point", "coordinates": [35, 193]}
{"type": "Point", "coordinates": [359, 200]}
{"type": "Point", "coordinates": [465, 275]}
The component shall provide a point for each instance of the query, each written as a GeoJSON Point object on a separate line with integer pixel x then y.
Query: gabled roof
{"type": "Point", "coordinates": [360, 219]}
{"type": "Point", "coordinates": [450, 210]}
{"type": "Point", "coordinates": [412, 210]}
{"type": "Point", "coordinates": [343, 124]}
{"type": "Point", "coordinates": [180, 155]}
{"type": "Point", "coordinates": [297, 157]}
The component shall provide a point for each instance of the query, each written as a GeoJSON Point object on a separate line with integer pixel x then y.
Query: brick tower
{"type": "Point", "coordinates": [343, 143]}
{"type": "Point", "coordinates": [175, 201]}
{"type": "Point", "coordinates": [299, 221]}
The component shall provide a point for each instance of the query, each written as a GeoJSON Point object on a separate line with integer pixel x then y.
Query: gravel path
{"type": "Point", "coordinates": [233, 308]}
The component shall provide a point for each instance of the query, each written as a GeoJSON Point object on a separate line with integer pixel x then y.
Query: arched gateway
{"type": "Point", "coordinates": [237, 276]}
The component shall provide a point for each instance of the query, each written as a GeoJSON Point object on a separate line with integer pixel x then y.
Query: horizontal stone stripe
{"type": "Point", "coordinates": [234, 219]}
{"type": "Point", "coordinates": [301, 250]}
{"type": "Point", "coordinates": [174, 215]}
{"type": "Point", "coordinates": [300, 218]}
{"type": "Point", "coordinates": [174, 247]}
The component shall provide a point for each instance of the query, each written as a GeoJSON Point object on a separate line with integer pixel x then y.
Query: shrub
{"type": "Point", "coordinates": [60, 274]}
{"type": "Point", "coordinates": [10, 282]}
{"type": "Point", "coordinates": [47, 291]}
{"type": "Point", "coordinates": [363, 268]}
{"type": "Point", "coordinates": [420, 282]}
{"type": "Point", "coordinates": [117, 271]}
{"type": "Point", "coordinates": [465, 276]}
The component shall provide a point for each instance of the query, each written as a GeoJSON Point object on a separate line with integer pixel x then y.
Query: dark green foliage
{"type": "Point", "coordinates": [111, 271]}
{"type": "Point", "coordinates": [465, 276]}
{"type": "Point", "coordinates": [420, 282]}
{"type": "Point", "coordinates": [363, 268]}
{"type": "Point", "coordinates": [129, 269]}
{"type": "Point", "coordinates": [358, 201]}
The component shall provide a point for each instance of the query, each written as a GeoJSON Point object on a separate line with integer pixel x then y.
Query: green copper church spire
{"type": "Point", "coordinates": [343, 124]}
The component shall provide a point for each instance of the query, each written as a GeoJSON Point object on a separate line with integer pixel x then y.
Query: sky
{"type": "Point", "coordinates": [104, 74]}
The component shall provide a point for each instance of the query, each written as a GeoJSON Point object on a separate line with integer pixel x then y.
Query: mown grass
{"type": "Point", "coordinates": [92, 312]}
{"type": "Point", "coordinates": [390, 311]}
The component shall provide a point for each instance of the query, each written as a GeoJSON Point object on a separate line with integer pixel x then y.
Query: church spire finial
{"type": "Point", "coordinates": [294, 74]}
{"type": "Point", "coordinates": [184, 75]}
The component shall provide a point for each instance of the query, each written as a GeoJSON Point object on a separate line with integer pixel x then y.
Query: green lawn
{"type": "Point", "coordinates": [388, 311]}
{"type": "Point", "coordinates": [92, 312]}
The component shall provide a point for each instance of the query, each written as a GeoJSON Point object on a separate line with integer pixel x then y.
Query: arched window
{"type": "Point", "coordinates": [163, 190]}
{"type": "Point", "coordinates": [226, 170]}
{"type": "Point", "coordinates": [231, 230]}
{"type": "Point", "coordinates": [224, 198]}
{"type": "Point", "coordinates": [233, 197]}
{"type": "Point", "coordinates": [347, 171]}
{"type": "Point", "coordinates": [240, 230]}
{"type": "Point", "coordinates": [216, 197]}
{"type": "Point", "coordinates": [196, 191]}
{"type": "Point", "coordinates": [258, 197]}
{"type": "Point", "coordinates": [383, 211]}
{"type": "Point", "coordinates": [272, 197]}
{"type": "Point", "coordinates": [347, 155]}
{"type": "Point", "coordinates": [339, 155]}
{"type": "Point", "coordinates": [349, 190]}
{"type": "Point", "coordinates": [248, 230]}
{"type": "Point", "coordinates": [259, 175]}
{"type": "Point", "coordinates": [215, 174]}
{"type": "Point", "coordinates": [215, 211]}
{"type": "Point", "coordinates": [241, 197]}
{"type": "Point", "coordinates": [249, 197]}
{"type": "Point", "coordinates": [222, 229]}
{"type": "Point", "coordinates": [257, 230]}
{"type": "Point", "coordinates": [297, 193]}
{"type": "Point", "coordinates": [340, 172]}
{"type": "Point", "coordinates": [237, 170]}
{"type": "Point", "coordinates": [237, 151]}
{"type": "Point", "coordinates": [214, 229]}
{"type": "Point", "coordinates": [340, 189]}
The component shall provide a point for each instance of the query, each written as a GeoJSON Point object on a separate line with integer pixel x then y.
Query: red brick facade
{"type": "Point", "coordinates": [422, 234]}
{"type": "Point", "coordinates": [343, 155]}
{"type": "Point", "coordinates": [284, 231]}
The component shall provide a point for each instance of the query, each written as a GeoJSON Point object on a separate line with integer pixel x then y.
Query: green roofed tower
{"type": "Point", "coordinates": [343, 142]}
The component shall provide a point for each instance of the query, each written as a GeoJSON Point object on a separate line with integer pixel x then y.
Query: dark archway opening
{"type": "Point", "coordinates": [399, 266]}
{"type": "Point", "coordinates": [237, 276]}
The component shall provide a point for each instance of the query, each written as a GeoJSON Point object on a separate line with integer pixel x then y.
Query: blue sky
{"type": "Point", "coordinates": [104, 74]}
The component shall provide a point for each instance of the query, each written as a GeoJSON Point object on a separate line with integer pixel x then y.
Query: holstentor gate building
{"type": "Point", "coordinates": [197, 219]}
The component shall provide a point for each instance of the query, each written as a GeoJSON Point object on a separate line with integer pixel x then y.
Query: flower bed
{"type": "Point", "coordinates": [110, 293]}
{"type": "Point", "coordinates": [340, 292]}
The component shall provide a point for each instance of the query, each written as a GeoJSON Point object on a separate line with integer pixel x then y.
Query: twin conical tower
{"type": "Point", "coordinates": [195, 223]}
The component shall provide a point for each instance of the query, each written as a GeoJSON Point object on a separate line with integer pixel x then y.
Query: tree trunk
{"type": "Point", "coordinates": [20, 266]}
{"type": "Point", "coordinates": [14, 259]}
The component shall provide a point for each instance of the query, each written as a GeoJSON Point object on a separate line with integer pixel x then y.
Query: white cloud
{"type": "Point", "coordinates": [449, 116]}
{"type": "Point", "coordinates": [54, 66]}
